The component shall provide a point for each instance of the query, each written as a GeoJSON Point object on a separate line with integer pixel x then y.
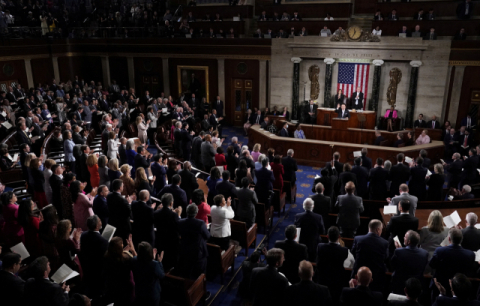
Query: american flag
{"type": "Point", "coordinates": [351, 76]}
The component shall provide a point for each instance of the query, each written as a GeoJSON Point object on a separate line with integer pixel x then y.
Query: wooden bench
{"type": "Point", "coordinates": [218, 263]}
{"type": "Point", "coordinates": [184, 292]}
{"type": "Point", "coordinates": [263, 217]}
{"type": "Point", "coordinates": [245, 237]}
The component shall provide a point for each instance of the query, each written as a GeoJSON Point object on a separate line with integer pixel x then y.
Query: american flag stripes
{"type": "Point", "coordinates": [351, 76]}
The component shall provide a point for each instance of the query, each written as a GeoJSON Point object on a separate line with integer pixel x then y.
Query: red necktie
{"type": "Point", "coordinates": [465, 141]}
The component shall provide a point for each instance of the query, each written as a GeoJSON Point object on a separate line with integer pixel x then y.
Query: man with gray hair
{"type": "Point", "coordinates": [193, 245]}
{"type": "Point", "coordinates": [322, 203]}
{"type": "Point", "coordinates": [177, 138]}
{"type": "Point", "coordinates": [290, 167]}
{"type": "Point", "coordinates": [466, 193]}
{"type": "Point", "coordinates": [471, 235]}
{"type": "Point", "coordinates": [236, 147]}
{"type": "Point", "coordinates": [312, 227]}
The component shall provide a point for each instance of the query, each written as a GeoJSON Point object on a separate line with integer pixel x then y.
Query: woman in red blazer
{"type": "Point", "coordinates": [220, 158]}
{"type": "Point", "coordinates": [278, 172]}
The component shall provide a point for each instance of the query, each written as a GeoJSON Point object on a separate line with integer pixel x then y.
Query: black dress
{"type": "Point", "coordinates": [435, 187]}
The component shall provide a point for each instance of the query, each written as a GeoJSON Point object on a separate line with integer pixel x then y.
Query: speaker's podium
{"type": "Point", "coordinates": [340, 123]}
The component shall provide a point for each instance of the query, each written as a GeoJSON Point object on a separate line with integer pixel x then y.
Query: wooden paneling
{"type": "Point", "coordinates": [317, 153]}
{"type": "Point", "coordinates": [442, 27]}
{"type": "Point", "coordinates": [237, 26]}
{"type": "Point", "coordinates": [13, 70]}
{"type": "Point", "coordinates": [42, 70]}
{"type": "Point", "coordinates": [434, 134]}
{"type": "Point", "coordinates": [118, 70]}
{"type": "Point", "coordinates": [353, 122]}
{"type": "Point", "coordinates": [146, 70]}
{"type": "Point", "coordinates": [409, 9]}
{"type": "Point", "coordinates": [466, 50]}
{"type": "Point", "coordinates": [365, 6]}
{"type": "Point", "coordinates": [246, 11]}
{"type": "Point", "coordinates": [317, 10]}
{"type": "Point", "coordinates": [312, 27]}
{"type": "Point", "coordinates": [470, 82]}
{"type": "Point", "coordinates": [231, 72]}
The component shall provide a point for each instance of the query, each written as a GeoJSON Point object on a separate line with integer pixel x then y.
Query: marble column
{"type": "Point", "coordinates": [165, 77]}
{"type": "Point", "coordinates": [221, 81]}
{"type": "Point", "coordinates": [412, 93]}
{"type": "Point", "coordinates": [327, 94]}
{"type": "Point", "coordinates": [377, 72]}
{"type": "Point", "coordinates": [131, 72]}
{"type": "Point", "coordinates": [56, 70]}
{"type": "Point", "coordinates": [296, 79]}
{"type": "Point", "coordinates": [28, 71]}
{"type": "Point", "coordinates": [455, 96]}
{"type": "Point", "coordinates": [262, 103]}
{"type": "Point", "coordinates": [106, 71]}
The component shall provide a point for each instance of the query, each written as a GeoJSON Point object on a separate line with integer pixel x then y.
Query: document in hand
{"type": "Point", "coordinates": [7, 125]}
{"type": "Point", "coordinates": [298, 234]}
{"type": "Point", "coordinates": [357, 153]}
{"type": "Point", "coordinates": [397, 240]}
{"type": "Point", "coordinates": [20, 250]}
{"type": "Point", "coordinates": [15, 156]}
{"type": "Point", "coordinates": [64, 274]}
{"type": "Point", "coordinates": [429, 173]}
{"type": "Point", "coordinates": [408, 159]}
{"type": "Point", "coordinates": [108, 232]}
{"type": "Point", "coordinates": [477, 256]}
{"type": "Point", "coordinates": [389, 209]}
{"type": "Point", "coordinates": [35, 137]}
{"type": "Point", "coordinates": [396, 297]}
{"type": "Point", "coordinates": [477, 225]}
{"type": "Point", "coordinates": [445, 242]}
{"type": "Point", "coordinates": [452, 220]}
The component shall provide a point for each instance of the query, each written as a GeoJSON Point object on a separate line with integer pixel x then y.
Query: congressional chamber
{"type": "Point", "coordinates": [239, 152]}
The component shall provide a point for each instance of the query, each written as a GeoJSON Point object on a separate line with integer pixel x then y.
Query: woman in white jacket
{"type": "Point", "coordinates": [112, 146]}
{"type": "Point", "coordinates": [153, 123]}
{"type": "Point", "coordinates": [142, 129]}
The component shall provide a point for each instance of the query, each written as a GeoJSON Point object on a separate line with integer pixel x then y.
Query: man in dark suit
{"type": "Point", "coordinates": [205, 123]}
{"type": "Point", "coordinates": [82, 172]}
{"type": "Point", "coordinates": [361, 174]}
{"type": "Point", "coordinates": [420, 122]}
{"type": "Point", "coordinates": [412, 290]}
{"type": "Point", "coordinates": [399, 174]}
{"type": "Point", "coordinates": [349, 209]}
{"type": "Point", "coordinates": [343, 112]}
{"type": "Point", "coordinates": [468, 122]}
{"type": "Point", "coordinates": [56, 183]}
{"type": "Point", "coordinates": [378, 177]}
{"type": "Point", "coordinates": [225, 187]}
{"type": "Point", "coordinates": [345, 177]}
{"type": "Point", "coordinates": [77, 137]}
{"type": "Point", "coordinates": [91, 256]}
{"type": "Point", "coordinates": [370, 250]}
{"type": "Point", "coordinates": [179, 195]}
{"type": "Point", "coordinates": [449, 260]}
{"type": "Point", "coordinates": [294, 253]}
{"type": "Point", "coordinates": [471, 235]}
{"type": "Point", "coordinates": [470, 164]}
{"type": "Point", "coordinates": [312, 227]}
{"type": "Point", "coordinates": [142, 214]}
{"type": "Point", "coordinates": [119, 209]}
{"type": "Point", "coordinates": [100, 207]}
{"type": "Point", "coordinates": [321, 204]}
{"type": "Point", "coordinates": [454, 171]}
{"type": "Point", "coordinates": [311, 112]}
{"type": "Point", "coordinates": [197, 150]}
{"type": "Point", "coordinates": [461, 288]}
{"type": "Point", "coordinates": [219, 106]}
{"type": "Point", "coordinates": [265, 123]}
{"type": "Point", "coordinates": [142, 159]}
{"type": "Point", "coordinates": [267, 285]}
{"type": "Point", "coordinates": [306, 292]}
{"type": "Point", "coordinates": [379, 138]}
{"type": "Point", "coordinates": [236, 147]}
{"type": "Point", "coordinates": [366, 161]}
{"type": "Point", "coordinates": [336, 163]}
{"type": "Point", "coordinates": [433, 124]}
{"type": "Point", "coordinates": [393, 16]}
{"type": "Point", "coordinates": [359, 292]}
{"type": "Point", "coordinates": [188, 180]}
{"type": "Point", "coordinates": [399, 225]}
{"type": "Point", "coordinates": [419, 15]}
{"type": "Point", "coordinates": [357, 99]}
{"type": "Point", "coordinates": [215, 122]}
{"type": "Point", "coordinates": [409, 261]}
{"type": "Point", "coordinates": [187, 138]}
{"type": "Point", "coordinates": [22, 134]}
{"type": "Point", "coordinates": [404, 196]}
{"type": "Point", "coordinates": [284, 130]}
{"type": "Point", "coordinates": [11, 286]}
{"type": "Point", "coordinates": [451, 142]}
{"type": "Point", "coordinates": [167, 236]}
{"type": "Point", "coordinates": [193, 245]}
{"type": "Point", "coordinates": [263, 16]}
{"type": "Point", "coordinates": [40, 290]}
{"type": "Point", "coordinates": [290, 167]}
{"type": "Point", "coordinates": [330, 259]}
{"type": "Point", "coordinates": [258, 118]}
{"type": "Point", "coordinates": [264, 184]}
{"type": "Point", "coordinates": [465, 9]}
{"type": "Point", "coordinates": [122, 152]}
{"type": "Point", "coordinates": [430, 35]}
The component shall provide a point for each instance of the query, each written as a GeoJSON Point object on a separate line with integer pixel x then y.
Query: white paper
{"type": "Point", "coordinates": [63, 274]}
{"type": "Point", "coordinates": [397, 240]}
{"type": "Point", "coordinates": [450, 197]}
{"type": "Point", "coordinates": [108, 232]}
{"type": "Point", "coordinates": [20, 250]}
{"type": "Point", "coordinates": [15, 156]}
{"type": "Point", "coordinates": [429, 173]}
{"type": "Point", "coordinates": [477, 256]}
{"type": "Point", "coordinates": [452, 220]}
{"type": "Point", "coordinates": [131, 110]}
{"type": "Point", "coordinates": [317, 176]}
{"type": "Point", "coordinates": [477, 226]}
{"type": "Point", "coordinates": [389, 209]}
{"type": "Point", "coordinates": [396, 297]}
{"type": "Point", "coordinates": [164, 110]}
{"type": "Point", "coordinates": [445, 242]}
{"type": "Point", "coordinates": [408, 159]}
{"type": "Point", "coordinates": [297, 239]}
{"type": "Point", "coordinates": [478, 170]}
{"type": "Point", "coordinates": [7, 125]}
{"type": "Point", "coordinates": [198, 173]}
{"type": "Point", "coordinates": [35, 137]}
{"type": "Point", "coordinates": [220, 168]}
{"type": "Point", "coordinates": [442, 161]}
{"type": "Point", "coordinates": [357, 153]}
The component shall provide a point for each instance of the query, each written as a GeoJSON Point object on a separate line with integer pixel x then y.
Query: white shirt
{"type": "Point", "coordinates": [378, 33]}
{"type": "Point", "coordinates": [221, 216]}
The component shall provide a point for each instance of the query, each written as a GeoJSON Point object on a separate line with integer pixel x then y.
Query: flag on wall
{"type": "Point", "coordinates": [351, 76]}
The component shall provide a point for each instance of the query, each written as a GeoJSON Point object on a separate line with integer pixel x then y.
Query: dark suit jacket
{"type": "Point", "coordinates": [78, 139]}
{"type": "Point", "coordinates": [258, 118]}
{"type": "Point", "coordinates": [360, 101]}
{"type": "Point", "coordinates": [100, 208]}
{"type": "Point", "coordinates": [417, 184]}
{"type": "Point", "coordinates": [407, 262]}
{"type": "Point", "coordinates": [267, 286]}
{"type": "Point", "coordinates": [322, 206]}
{"type": "Point", "coordinates": [455, 173]}
{"type": "Point", "coordinates": [264, 184]}
{"type": "Point", "coordinates": [449, 260]}
{"type": "Point", "coordinates": [360, 296]}
{"type": "Point", "coordinates": [166, 223]}
{"type": "Point", "coordinates": [454, 301]}
{"type": "Point", "coordinates": [366, 162]}
{"type": "Point", "coordinates": [343, 179]}
{"type": "Point", "coordinates": [338, 166]}
{"type": "Point", "coordinates": [179, 196]}
{"type": "Point", "coordinates": [399, 174]}
{"type": "Point", "coordinates": [226, 189]}
{"type": "Point", "coordinates": [12, 289]}
{"type": "Point", "coordinates": [378, 140]}
{"type": "Point", "coordinates": [290, 168]}
{"type": "Point", "coordinates": [44, 292]}
{"type": "Point", "coordinates": [307, 110]}
{"type": "Point", "coordinates": [422, 124]}
{"type": "Point", "coordinates": [141, 161]}
{"type": "Point", "coordinates": [188, 183]}
{"type": "Point", "coordinates": [312, 227]}
{"type": "Point", "coordinates": [91, 256]}
{"type": "Point", "coordinates": [123, 155]}
{"type": "Point", "coordinates": [219, 108]}
{"type": "Point", "coordinates": [330, 259]}
{"type": "Point", "coordinates": [56, 184]}
{"type": "Point", "coordinates": [120, 214]}
{"type": "Point", "coordinates": [194, 233]}
{"type": "Point", "coordinates": [142, 229]}
{"type": "Point", "coordinates": [307, 293]}
{"type": "Point", "coordinates": [378, 183]}
{"type": "Point", "coordinates": [435, 187]}
{"type": "Point", "coordinates": [437, 125]}
{"type": "Point", "coordinates": [471, 238]}
{"type": "Point", "coordinates": [398, 226]}
{"type": "Point", "coordinates": [349, 209]}
{"type": "Point", "coordinates": [22, 138]}
{"type": "Point", "coordinates": [346, 114]}
{"type": "Point", "coordinates": [370, 250]}
{"type": "Point", "coordinates": [284, 133]}
{"type": "Point", "coordinates": [294, 254]}
{"type": "Point", "coordinates": [361, 187]}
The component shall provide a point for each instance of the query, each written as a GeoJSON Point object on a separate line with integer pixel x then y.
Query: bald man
{"type": "Point", "coordinates": [359, 292]}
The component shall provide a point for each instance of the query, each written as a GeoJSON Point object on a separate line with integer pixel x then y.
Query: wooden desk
{"type": "Point", "coordinates": [434, 134]}
{"type": "Point", "coordinates": [340, 123]}
{"type": "Point", "coordinates": [317, 152]}
{"type": "Point", "coordinates": [325, 116]}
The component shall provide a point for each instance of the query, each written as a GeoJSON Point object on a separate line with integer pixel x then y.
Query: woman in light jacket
{"type": "Point", "coordinates": [112, 146]}
{"type": "Point", "coordinates": [152, 117]}
{"type": "Point", "coordinates": [68, 145]}
{"type": "Point", "coordinates": [142, 129]}
{"type": "Point", "coordinates": [47, 173]}
{"type": "Point", "coordinates": [82, 208]}
{"type": "Point", "coordinates": [103, 171]}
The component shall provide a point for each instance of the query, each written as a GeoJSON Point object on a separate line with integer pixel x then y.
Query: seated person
{"type": "Point", "coordinates": [258, 34]}
{"type": "Point", "coordinates": [339, 97]}
{"type": "Point", "coordinates": [378, 16]}
{"type": "Point", "coordinates": [272, 128]}
{"type": "Point", "coordinates": [409, 139]}
{"type": "Point", "coordinates": [299, 132]}
{"type": "Point", "coordinates": [393, 15]}
{"type": "Point", "coordinates": [265, 123]}
{"type": "Point", "coordinates": [303, 32]}
{"type": "Point", "coordinates": [417, 32]}
{"type": "Point", "coordinates": [431, 15]}
{"type": "Point", "coordinates": [325, 31]}
{"type": "Point", "coordinates": [391, 115]}
{"type": "Point", "coordinates": [284, 130]}
{"type": "Point", "coordinates": [399, 140]}
{"type": "Point", "coordinates": [281, 34]}
{"type": "Point", "coordinates": [461, 35]}
{"type": "Point", "coordinates": [377, 31]}
{"type": "Point", "coordinates": [431, 35]}
{"type": "Point", "coordinates": [420, 122]}
{"type": "Point", "coordinates": [404, 31]}
{"type": "Point", "coordinates": [292, 32]}
{"type": "Point", "coordinates": [296, 17]}
{"type": "Point", "coordinates": [263, 16]}
{"type": "Point", "coordinates": [379, 138]}
{"type": "Point", "coordinates": [339, 31]}
{"type": "Point", "coordinates": [423, 138]}
{"type": "Point", "coordinates": [328, 17]}
{"type": "Point", "coordinates": [285, 17]}
{"type": "Point", "coordinates": [419, 15]}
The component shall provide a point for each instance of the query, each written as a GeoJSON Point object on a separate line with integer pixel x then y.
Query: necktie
{"type": "Point", "coordinates": [258, 119]}
{"type": "Point", "coordinates": [465, 141]}
{"type": "Point", "coordinates": [311, 108]}
{"type": "Point", "coordinates": [433, 124]}
{"type": "Point", "coordinates": [468, 122]}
